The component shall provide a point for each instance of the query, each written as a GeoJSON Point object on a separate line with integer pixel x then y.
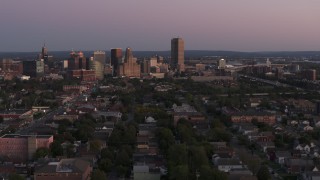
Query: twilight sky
{"type": "Point", "coordinates": [241, 25]}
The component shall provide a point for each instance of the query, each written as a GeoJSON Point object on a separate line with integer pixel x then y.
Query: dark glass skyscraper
{"type": "Point", "coordinates": [177, 54]}
{"type": "Point", "coordinates": [116, 58]}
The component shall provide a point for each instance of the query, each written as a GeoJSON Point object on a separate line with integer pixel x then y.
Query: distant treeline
{"type": "Point", "coordinates": [188, 54]}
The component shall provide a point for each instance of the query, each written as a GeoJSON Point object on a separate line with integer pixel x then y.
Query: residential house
{"type": "Point", "coordinates": [249, 116]}
{"type": "Point", "coordinates": [265, 146]}
{"type": "Point", "coordinates": [145, 172]}
{"type": "Point", "coordinates": [281, 156]}
{"type": "Point", "coordinates": [227, 164]}
{"type": "Point", "coordinates": [298, 165]}
{"type": "Point", "coordinates": [312, 175]}
{"type": "Point", "coordinates": [246, 128]}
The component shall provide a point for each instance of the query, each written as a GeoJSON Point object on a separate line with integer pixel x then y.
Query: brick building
{"type": "Point", "coordinates": [20, 148]}
{"type": "Point", "coordinates": [248, 117]}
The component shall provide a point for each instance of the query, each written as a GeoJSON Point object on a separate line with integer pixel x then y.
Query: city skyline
{"type": "Point", "coordinates": [147, 25]}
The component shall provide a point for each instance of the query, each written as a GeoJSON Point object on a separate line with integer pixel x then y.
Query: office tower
{"type": "Point", "coordinates": [77, 61]}
{"type": "Point", "coordinates": [33, 68]}
{"type": "Point", "coordinates": [160, 59]}
{"type": "Point", "coordinates": [98, 68]}
{"type": "Point", "coordinates": [116, 58]}
{"type": "Point", "coordinates": [44, 53]}
{"type": "Point", "coordinates": [145, 66]}
{"type": "Point", "coordinates": [99, 56]}
{"type": "Point", "coordinates": [65, 64]}
{"type": "Point", "coordinates": [153, 61]}
{"type": "Point", "coordinates": [9, 65]}
{"type": "Point", "coordinates": [222, 64]}
{"type": "Point", "coordinates": [268, 62]}
{"type": "Point", "coordinates": [279, 73]}
{"type": "Point", "coordinates": [177, 54]}
{"type": "Point", "coordinates": [129, 67]}
{"type": "Point", "coordinates": [309, 74]}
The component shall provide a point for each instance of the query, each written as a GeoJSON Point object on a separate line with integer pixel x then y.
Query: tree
{"type": "Point", "coordinates": [56, 149]}
{"type": "Point", "coordinates": [98, 175]}
{"type": "Point", "coordinates": [106, 153]}
{"type": "Point", "coordinates": [178, 155]}
{"type": "Point", "coordinates": [105, 165]}
{"type": "Point", "coordinates": [41, 153]}
{"type": "Point", "coordinates": [121, 170]}
{"type": "Point", "coordinates": [15, 177]}
{"type": "Point", "coordinates": [251, 161]}
{"type": "Point", "coordinates": [179, 172]}
{"type": "Point", "coordinates": [263, 173]}
{"type": "Point", "coordinates": [123, 158]}
{"type": "Point", "coordinates": [185, 131]}
{"type": "Point", "coordinates": [207, 173]}
{"type": "Point", "coordinates": [198, 157]}
{"type": "Point", "coordinates": [165, 139]}
{"type": "Point", "coordinates": [95, 146]}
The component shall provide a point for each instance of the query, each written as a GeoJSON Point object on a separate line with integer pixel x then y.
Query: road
{"type": "Point", "coordinates": [36, 123]}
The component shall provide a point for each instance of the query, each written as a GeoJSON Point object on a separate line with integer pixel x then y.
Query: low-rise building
{"type": "Point", "coordinates": [248, 117]}
{"type": "Point", "coordinates": [20, 148]}
{"type": "Point", "coordinates": [65, 169]}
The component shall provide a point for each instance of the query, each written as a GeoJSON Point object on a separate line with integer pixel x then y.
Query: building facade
{"type": "Point", "coordinates": [33, 68]}
{"type": "Point", "coordinates": [98, 68]}
{"type": "Point", "coordinates": [116, 58]}
{"type": "Point", "coordinates": [177, 54]}
{"type": "Point", "coordinates": [130, 67]}
{"type": "Point", "coordinates": [309, 74]}
{"type": "Point", "coordinates": [20, 148]}
{"type": "Point", "coordinates": [77, 61]}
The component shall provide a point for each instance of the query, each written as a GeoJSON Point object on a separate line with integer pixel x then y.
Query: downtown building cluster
{"type": "Point", "coordinates": [97, 66]}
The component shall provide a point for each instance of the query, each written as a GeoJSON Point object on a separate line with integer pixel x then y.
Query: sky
{"type": "Point", "coordinates": [237, 25]}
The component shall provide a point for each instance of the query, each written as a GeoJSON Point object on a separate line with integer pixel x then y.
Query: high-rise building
{"type": "Point", "coordinates": [129, 67]}
{"type": "Point", "coordinates": [99, 56]}
{"type": "Point", "coordinates": [309, 74]}
{"type": "Point", "coordinates": [177, 54]}
{"type": "Point", "coordinates": [9, 65]}
{"type": "Point", "coordinates": [153, 61]}
{"type": "Point", "coordinates": [160, 59]}
{"type": "Point", "coordinates": [116, 58]}
{"type": "Point", "coordinates": [33, 68]}
{"type": "Point", "coordinates": [77, 61]}
{"type": "Point", "coordinates": [145, 66]}
{"type": "Point", "coordinates": [44, 53]}
{"type": "Point", "coordinates": [97, 65]}
{"type": "Point", "coordinates": [222, 64]}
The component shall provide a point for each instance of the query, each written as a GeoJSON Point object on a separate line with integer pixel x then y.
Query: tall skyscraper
{"type": "Point", "coordinates": [99, 56]}
{"type": "Point", "coordinates": [77, 61]}
{"type": "Point", "coordinates": [177, 54]}
{"type": "Point", "coordinates": [97, 63]}
{"type": "Point", "coordinates": [145, 66]}
{"type": "Point", "coordinates": [34, 68]}
{"type": "Point", "coordinates": [44, 53]}
{"type": "Point", "coordinates": [129, 67]}
{"type": "Point", "coordinates": [116, 58]}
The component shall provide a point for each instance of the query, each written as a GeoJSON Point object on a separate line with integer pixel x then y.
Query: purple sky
{"type": "Point", "coordinates": [242, 25]}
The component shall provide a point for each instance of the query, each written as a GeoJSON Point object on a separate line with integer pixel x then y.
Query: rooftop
{"type": "Point", "coordinates": [64, 166]}
{"type": "Point", "coordinates": [24, 136]}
